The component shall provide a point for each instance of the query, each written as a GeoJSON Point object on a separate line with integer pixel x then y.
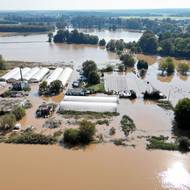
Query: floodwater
{"type": "Point", "coordinates": [35, 48]}
{"type": "Point", "coordinates": [104, 167]}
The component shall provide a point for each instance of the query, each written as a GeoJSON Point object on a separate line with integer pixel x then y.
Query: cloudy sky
{"type": "Point", "coordinates": [90, 4]}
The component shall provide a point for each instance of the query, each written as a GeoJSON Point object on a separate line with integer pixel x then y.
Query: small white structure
{"type": "Point", "coordinates": [17, 76]}
{"type": "Point", "coordinates": [65, 75]}
{"type": "Point", "coordinates": [107, 99]}
{"type": "Point", "coordinates": [27, 76]}
{"type": "Point", "coordinates": [54, 75]}
{"type": "Point", "coordinates": [39, 75]}
{"type": "Point", "coordinates": [10, 74]}
{"type": "Point", "coordinates": [88, 106]}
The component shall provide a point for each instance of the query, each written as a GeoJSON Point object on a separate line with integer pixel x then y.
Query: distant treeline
{"type": "Point", "coordinates": [75, 37]}
{"type": "Point", "coordinates": [24, 28]}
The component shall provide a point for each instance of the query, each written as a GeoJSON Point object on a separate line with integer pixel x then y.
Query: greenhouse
{"type": "Point", "coordinates": [31, 73]}
{"type": "Point", "coordinates": [91, 99]}
{"type": "Point", "coordinates": [39, 75]}
{"type": "Point", "coordinates": [87, 106]}
{"type": "Point", "coordinates": [17, 76]}
{"type": "Point", "coordinates": [10, 74]}
{"type": "Point", "coordinates": [65, 75]}
{"type": "Point", "coordinates": [55, 75]}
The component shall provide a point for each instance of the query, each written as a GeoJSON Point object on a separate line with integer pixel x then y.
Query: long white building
{"type": "Point", "coordinates": [17, 76]}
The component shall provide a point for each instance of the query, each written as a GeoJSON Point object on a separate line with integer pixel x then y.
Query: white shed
{"type": "Point", "coordinates": [39, 75]}
{"type": "Point", "coordinates": [54, 75]}
{"type": "Point", "coordinates": [65, 75]}
{"type": "Point", "coordinates": [88, 106]}
{"type": "Point", "coordinates": [106, 99]}
{"type": "Point", "coordinates": [10, 74]}
{"type": "Point", "coordinates": [27, 76]}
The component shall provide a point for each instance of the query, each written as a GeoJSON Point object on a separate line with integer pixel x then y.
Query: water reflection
{"type": "Point", "coordinates": [177, 177]}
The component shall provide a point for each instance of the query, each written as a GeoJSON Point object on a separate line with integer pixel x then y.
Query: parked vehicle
{"type": "Point", "coordinates": [130, 94]}
{"type": "Point", "coordinates": [76, 84]}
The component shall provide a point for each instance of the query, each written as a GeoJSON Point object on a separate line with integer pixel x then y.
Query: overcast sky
{"type": "Point", "coordinates": [90, 4]}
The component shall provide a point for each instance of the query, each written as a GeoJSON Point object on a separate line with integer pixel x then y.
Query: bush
{"type": "Point", "coordinates": [182, 113]}
{"type": "Point", "coordinates": [184, 144]}
{"type": "Point", "coordinates": [121, 68]}
{"type": "Point", "coordinates": [93, 77]}
{"type": "Point", "coordinates": [19, 112]}
{"type": "Point", "coordinates": [71, 136]}
{"type": "Point", "coordinates": [112, 131]}
{"type": "Point", "coordinates": [183, 68]}
{"type": "Point", "coordinates": [83, 135]}
{"type": "Point", "coordinates": [7, 122]}
{"type": "Point", "coordinates": [127, 125]}
{"type": "Point", "coordinates": [87, 131]}
{"type": "Point", "coordinates": [29, 137]}
{"type": "Point", "coordinates": [142, 64]}
{"type": "Point", "coordinates": [109, 68]}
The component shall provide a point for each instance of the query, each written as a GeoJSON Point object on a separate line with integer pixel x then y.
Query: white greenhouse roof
{"type": "Point", "coordinates": [40, 74]}
{"type": "Point", "coordinates": [54, 75]}
{"type": "Point", "coordinates": [17, 76]}
{"type": "Point", "coordinates": [10, 74]}
{"type": "Point", "coordinates": [107, 99]}
{"type": "Point", "coordinates": [88, 106]}
{"type": "Point", "coordinates": [65, 75]}
{"type": "Point", "coordinates": [31, 73]}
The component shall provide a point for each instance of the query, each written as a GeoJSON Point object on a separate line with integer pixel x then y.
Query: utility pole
{"type": "Point", "coordinates": [21, 73]}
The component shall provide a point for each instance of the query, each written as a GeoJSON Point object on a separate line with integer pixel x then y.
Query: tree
{"type": "Point", "coordinates": [148, 43]}
{"type": "Point", "coordinates": [88, 66]}
{"type": "Point", "coordinates": [102, 42]}
{"type": "Point", "coordinates": [121, 68]}
{"type": "Point", "coordinates": [142, 64]}
{"type": "Point", "coordinates": [19, 112]}
{"type": "Point", "coordinates": [87, 131]}
{"type": "Point", "coordinates": [50, 37]}
{"type": "Point", "coordinates": [184, 143]}
{"type": "Point", "coordinates": [56, 87]}
{"type": "Point", "coordinates": [2, 63]}
{"type": "Point", "coordinates": [182, 113]}
{"type": "Point", "coordinates": [127, 60]}
{"type": "Point", "coordinates": [71, 136]}
{"type": "Point", "coordinates": [183, 68]}
{"type": "Point", "coordinates": [7, 122]}
{"type": "Point", "coordinates": [93, 77]}
{"type": "Point", "coordinates": [43, 88]}
{"type": "Point", "coordinates": [167, 66]}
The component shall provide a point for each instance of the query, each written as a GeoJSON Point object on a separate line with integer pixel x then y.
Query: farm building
{"type": "Point", "coordinates": [27, 76]}
{"type": "Point", "coordinates": [91, 99]}
{"type": "Point", "coordinates": [10, 74]}
{"type": "Point", "coordinates": [65, 75]}
{"type": "Point", "coordinates": [88, 106]}
{"type": "Point", "coordinates": [39, 75]}
{"type": "Point", "coordinates": [54, 75]}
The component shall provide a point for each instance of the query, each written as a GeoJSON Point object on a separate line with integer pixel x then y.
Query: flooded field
{"type": "Point", "coordinates": [36, 48]}
{"type": "Point", "coordinates": [97, 167]}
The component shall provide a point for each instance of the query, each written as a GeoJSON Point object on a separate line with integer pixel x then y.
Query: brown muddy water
{"type": "Point", "coordinates": [103, 167]}
{"type": "Point", "coordinates": [36, 49]}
